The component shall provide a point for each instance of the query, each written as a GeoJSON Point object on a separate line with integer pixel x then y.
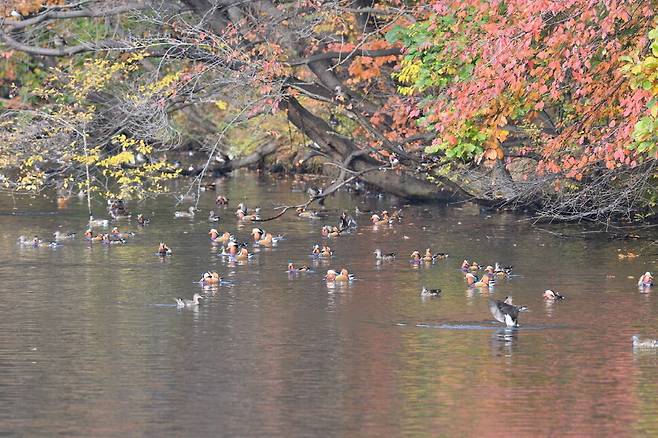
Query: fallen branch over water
{"type": "Point", "coordinates": [341, 181]}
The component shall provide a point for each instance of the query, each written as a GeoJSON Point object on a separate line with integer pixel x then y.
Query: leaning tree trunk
{"type": "Point", "coordinates": [402, 183]}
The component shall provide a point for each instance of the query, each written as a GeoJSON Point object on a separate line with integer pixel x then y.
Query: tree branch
{"type": "Point", "coordinates": [345, 55]}
{"type": "Point", "coordinates": [79, 13]}
{"type": "Point", "coordinates": [62, 51]}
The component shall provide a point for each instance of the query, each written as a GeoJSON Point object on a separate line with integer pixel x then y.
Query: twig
{"type": "Point", "coordinates": [332, 188]}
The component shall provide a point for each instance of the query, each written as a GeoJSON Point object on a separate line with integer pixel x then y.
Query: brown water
{"type": "Point", "coordinates": [90, 344]}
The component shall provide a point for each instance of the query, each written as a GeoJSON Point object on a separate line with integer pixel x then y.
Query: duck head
{"type": "Point", "coordinates": [331, 275]}
{"type": "Point", "coordinates": [375, 218]}
{"type": "Point", "coordinates": [257, 233]}
{"type": "Point", "coordinates": [213, 233]}
{"type": "Point", "coordinates": [415, 255]}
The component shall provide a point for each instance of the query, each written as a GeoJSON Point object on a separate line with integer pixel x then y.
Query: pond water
{"type": "Point", "coordinates": [92, 344]}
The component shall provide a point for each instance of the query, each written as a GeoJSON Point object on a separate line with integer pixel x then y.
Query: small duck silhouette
{"type": "Point", "coordinates": [506, 312]}
{"type": "Point", "coordinates": [504, 271]}
{"type": "Point", "coordinates": [267, 241]}
{"type": "Point", "coordinates": [210, 278]}
{"type": "Point", "coordinates": [307, 214]}
{"type": "Point", "coordinates": [430, 292]}
{"type": "Point", "coordinates": [58, 235]}
{"type": "Point", "coordinates": [243, 254]}
{"type": "Point", "coordinates": [485, 281]}
{"type": "Point", "coordinates": [186, 214]}
{"type": "Point", "coordinates": [415, 257]}
{"type": "Point", "coordinates": [326, 252]}
{"type": "Point", "coordinates": [163, 250]}
{"type": "Point", "coordinates": [215, 236]}
{"type": "Point", "coordinates": [183, 302]}
{"type": "Point", "coordinates": [378, 220]}
{"type": "Point", "coordinates": [98, 222]}
{"type": "Point", "coordinates": [292, 269]}
{"type": "Point", "coordinates": [643, 343]}
{"type": "Point", "coordinates": [471, 279]}
{"type": "Point", "coordinates": [343, 276]}
{"type": "Point", "coordinates": [552, 295]}
{"type": "Point", "coordinates": [345, 222]}
{"type": "Point", "coordinates": [646, 280]}
{"type": "Point", "coordinates": [381, 256]}
{"type": "Point", "coordinates": [142, 221]}
{"type": "Point", "coordinates": [221, 200]}
{"type": "Point", "coordinates": [212, 217]}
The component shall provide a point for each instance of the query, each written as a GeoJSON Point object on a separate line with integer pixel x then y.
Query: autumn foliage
{"type": "Point", "coordinates": [555, 93]}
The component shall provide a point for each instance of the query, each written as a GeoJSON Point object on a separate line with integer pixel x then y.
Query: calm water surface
{"type": "Point", "coordinates": [91, 346]}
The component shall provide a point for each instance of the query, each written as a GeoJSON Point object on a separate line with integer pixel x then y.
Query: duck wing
{"type": "Point", "coordinates": [496, 312]}
{"type": "Point", "coordinates": [499, 309]}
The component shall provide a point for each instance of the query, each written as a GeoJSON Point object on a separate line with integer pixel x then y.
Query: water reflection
{"type": "Point", "coordinates": [503, 341]}
{"type": "Point", "coordinates": [267, 354]}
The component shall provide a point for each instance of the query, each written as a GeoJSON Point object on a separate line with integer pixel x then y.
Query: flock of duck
{"type": "Point", "coordinates": [503, 311]}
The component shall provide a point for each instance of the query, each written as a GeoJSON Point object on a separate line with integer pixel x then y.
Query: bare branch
{"type": "Point", "coordinates": [345, 55]}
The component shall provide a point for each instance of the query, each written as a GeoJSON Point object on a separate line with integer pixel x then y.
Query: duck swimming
{"type": "Point", "coordinates": [221, 200]}
{"type": "Point", "coordinates": [415, 257]}
{"type": "Point", "coordinates": [386, 257]}
{"type": "Point", "coordinates": [326, 252]}
{"type": "Point", "coordinates": [643, 343]}
{"type": "Point", "coordinates": [186, 214]}
{"type": "Point", "coordinates": [89, 236]}
{"type": "Point", "coordinates": [231, 248]}
{"type": "Point", "coordinates": [257, 234]}
{"type": "Point", "coordinates": [243, 254]}
{"type": "Point", "coordinates": [471, 279]}
{"type": "Point", "coordinates": [183, 302]}
{"type": "Point", "coordinates": [646, 280]}
{"type": "Point", "coordinates": [330, 231]}
{"type": "Point", "coordinates": [163, 250]}
{"type": "Point", "coordinates": [210, 278]}
{"type": "Point", "coordinates": [267, 241]}
{"type": "Point", "coordinates": [486, 280]}
{"type": "Point", "coordinates": [115, 233]}
{"type": "Point", "coordinates": [307, 214]}
{"type": "Point", "coordinates": [506, 312]}
{"type": "Point", "coordinates": [111, 239]}
{"type": "Point", "coordinates": [212, 217]}
{"type": "Point", "coordinates": [552, 295]}
{"type": "Point", "coordinates": [345, 222]}
{"type": "Point", "coordinates": [242, 216]}
{"type": "Point", "coordinates": [343, 276]}
{"type": "Point", "coordinates": [141, 220]}
{"type": "Point", "coordinates": [215, 237]}
{"type": "Point", "coordinates": [98, 222]}
{"type": "Point", "coordinates": [506, 271]}
{"type": "Point", "coordinates": [293, 269]}
{"type": "Point", "coordinates": [58, 235]}
{"type": "Point", "coordinates": [430, 292]}
{"type": "Point", "coordinates": [377, 220]}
